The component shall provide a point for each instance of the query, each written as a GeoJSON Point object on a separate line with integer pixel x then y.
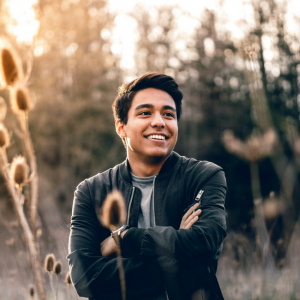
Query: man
{"type": "Point", "coordinates": [169, 250]}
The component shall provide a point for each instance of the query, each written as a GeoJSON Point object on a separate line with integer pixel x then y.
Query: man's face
{"type": "Point", "coordinates": [152, 127]}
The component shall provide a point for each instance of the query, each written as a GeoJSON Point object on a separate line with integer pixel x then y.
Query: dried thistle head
{"type": "Point", "coordinates": [57, 268]}
{"type": "Point", "coordinates": [3, 109]}
{"type": "Point", "coordinates": [19, 170]}
{"type": "Point", "coordinates": [297, 146]}
{"type": "Point", "coordinates": [11, 70]}
{"type": "Point", "coordinates": [254, 148]}
{"type": "Point", "coordinates": [4, 137]}
{"type": "Point", "coordinates": [39, 233]}
{"type": "Point", "coordinates": [20, 99]}
{"type": "Point", "coordinates": [271, 209]}
{"type": "Point", "coordinates": [31, 291]}
{"type": "Point", "coordinates": [232, 144]}
{"type": "Point", "coordinates": [10, 242]}
{"type": "Point", "coordinates": [49, 262]}
{"type": "Point", "coordinates": [68, 279]}
{"type": "Point", "coordinates": [113, 212]}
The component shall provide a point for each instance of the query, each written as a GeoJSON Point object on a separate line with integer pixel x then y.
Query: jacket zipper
{"type": "Point", "coordinates": [154, 222]}
{"type": "Point", "coordinates": [133, 188]}
{"type": "Point", "coordinates": [198, 198]}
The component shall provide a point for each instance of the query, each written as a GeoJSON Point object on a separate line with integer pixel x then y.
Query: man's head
{"type": "Point", "coordinates": [149, 105]}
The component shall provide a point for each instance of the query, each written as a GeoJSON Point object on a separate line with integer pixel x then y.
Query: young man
{"type": "Point", "coordinates": [169, 250]}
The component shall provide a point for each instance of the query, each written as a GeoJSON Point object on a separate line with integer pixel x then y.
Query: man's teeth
{"type": "Point", "coordinates": [157, 137]}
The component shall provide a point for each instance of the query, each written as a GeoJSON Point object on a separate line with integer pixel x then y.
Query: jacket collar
{"type": "Point", "coordinates": [167, 166]}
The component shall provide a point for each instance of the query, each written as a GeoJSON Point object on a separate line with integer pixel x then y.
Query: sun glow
{"type": "Point", "coordinates": [22, 22]}
{"type": "Point", "coordinates": [235, 16]}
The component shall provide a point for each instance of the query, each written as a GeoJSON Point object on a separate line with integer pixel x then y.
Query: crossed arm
{"type": "Point", "coordinates": [161, 248]}
{"type": "Point", "coordinates": [109, 246]}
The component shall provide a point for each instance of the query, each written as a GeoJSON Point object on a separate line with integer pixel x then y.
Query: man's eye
{"type": "Point", "coordinates": [145, 113]}
{"type": "Point", "coordinates": [169, 115]}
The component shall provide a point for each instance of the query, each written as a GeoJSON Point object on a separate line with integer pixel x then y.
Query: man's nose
{"type": "Point", "coordinates": [157, 121]}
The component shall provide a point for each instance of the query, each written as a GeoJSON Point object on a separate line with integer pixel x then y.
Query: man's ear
{"type": "Point", "coordinates": [120, 129]}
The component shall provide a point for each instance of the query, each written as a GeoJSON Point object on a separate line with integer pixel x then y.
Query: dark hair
{"type": "Point", "coordinates": [127, 91]}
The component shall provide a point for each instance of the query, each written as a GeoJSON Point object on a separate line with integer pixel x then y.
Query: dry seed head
{"type": "Point", "coordinates": [20, 99]}
{"type": "Point", "coordinates": [3, 109]}
{"type": "Point", "coordinates": [10, 65]}
{"type": "Point", "coordinates": [68, 279]}
{"type": "Point", "coordinates": [271, 209]}
{"type": "Point", "coordinates": [255, 147]}
{"type": "Point", "coordinates": [31, 291]}
{"type": "Point", "coordinates": [297, 146]}
{"type": "Point", "coordinates": [4, 137]}
{"type": "Point", "coordinates": [10, 242]}
{"type": "Point", "coordinates": [49, 263]}
{"type": "Point", "coordinates": [19, 170]}
{"type": "Point", "coordinates": [57, 268]}
{"type": "Point", "coordinates": [39, 233]}
{"type": "Point", "coordinates": [113, 211]}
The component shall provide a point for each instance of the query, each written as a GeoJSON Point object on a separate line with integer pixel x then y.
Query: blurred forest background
{"type": "Point", "coordinates": [241, 111]}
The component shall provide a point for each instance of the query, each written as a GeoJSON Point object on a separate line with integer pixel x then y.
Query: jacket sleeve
{"type": "Point", "coordinates": [93, 275]}
{"type": "Point", "coordinates": [170, 248]}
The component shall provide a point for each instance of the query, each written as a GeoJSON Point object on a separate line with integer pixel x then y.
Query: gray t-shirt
{"type": "Point", "coordinates": [146, 220]}
{"type": "Point", "coordinates": [145, 184]}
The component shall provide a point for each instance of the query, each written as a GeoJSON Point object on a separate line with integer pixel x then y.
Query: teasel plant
{"type": "Point", "coordinates": [112, 215]}
{"type": "Point", "coordinates": [17, 174]}
{"type": "Point", "coordinates": [255, 148]}
{"type": "Point", "coordinates": [49, 264]}
{"type": "Point", "coordinates": [262, 116]}
{"type": "Point", "coordinates": [57, 271]}
{"type": "Point", "coordinates": [21, 103]}
{"type": "Point", "coordinates": [14, 80]}
{"type": "Point", "coordinates": [31, 292]}
{"type": "Point", "coordinates": [68, 282]}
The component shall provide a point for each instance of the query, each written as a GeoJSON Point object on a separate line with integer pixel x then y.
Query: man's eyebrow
{"type": "Point", "coordinates": [151, 106]}
{"type": "Point", "coordinates": [144, 106]}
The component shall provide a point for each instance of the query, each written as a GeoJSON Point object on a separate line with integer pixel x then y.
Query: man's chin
{"type": "Point", "coordinates": [158, 155]}
{"type": "Point", "coordinates": [151, 155]}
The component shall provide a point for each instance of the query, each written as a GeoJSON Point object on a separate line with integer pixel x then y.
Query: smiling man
{"type": "Point", "coordinates": [169, 250]}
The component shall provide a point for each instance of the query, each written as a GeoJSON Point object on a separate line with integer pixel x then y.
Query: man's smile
{"type": "Point", "coordinates": [156, 137]}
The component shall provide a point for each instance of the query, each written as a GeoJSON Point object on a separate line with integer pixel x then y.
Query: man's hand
{"type": "Point", "coordinates": [190, 217]}
{"type": "Point", "coordinates": [108, 247]}
{"type": "Point", "coordinates": [123, 233]}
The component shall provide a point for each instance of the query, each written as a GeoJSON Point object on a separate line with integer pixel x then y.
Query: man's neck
{"type": "Point", "coordinates": [143, 168]}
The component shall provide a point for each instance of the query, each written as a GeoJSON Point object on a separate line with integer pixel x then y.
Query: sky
{"type": "Point", "coordinates": [25, 26]}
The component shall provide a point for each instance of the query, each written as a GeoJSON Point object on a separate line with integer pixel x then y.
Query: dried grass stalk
{"type": "Point", "coordinates": [4, 137]}
{"type": "Point", "coordinates": [57, 268]}
{"type": "Point", "coordinates": [20, 99]}
{"type": "Point", "coordinates": [19, 171]}
{"type": "Point", "coordinates": [31, 291]}
{"type": "Point", "coordinates": [68, 278]}
{"type": "Point", "coordinates": [49, 262]}
{"type": "Point", "coordinates": [10, 65]}
{"type": "Point", "coordinates": [113, 212]}
{"type": "Point", "coordinates": [49, 267]}
{"type": "Point", "coordinates": [254, 148]}
{"type": "Point", "coordinates": [68, 282]}
{"type": "Point", "coordinates": [3, 109]}
{"type": "Point", "coordinates": [12, 77]}
{"type": "Point", "coordinates": [21, 102]}
{"type": "Point", "coordinates": [32, 249]}
{"type": "Point", "coordinates": [57, 271]}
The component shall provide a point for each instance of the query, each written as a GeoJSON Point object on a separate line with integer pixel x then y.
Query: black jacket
{"type": "Point", "coordinates": [161, 257]}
